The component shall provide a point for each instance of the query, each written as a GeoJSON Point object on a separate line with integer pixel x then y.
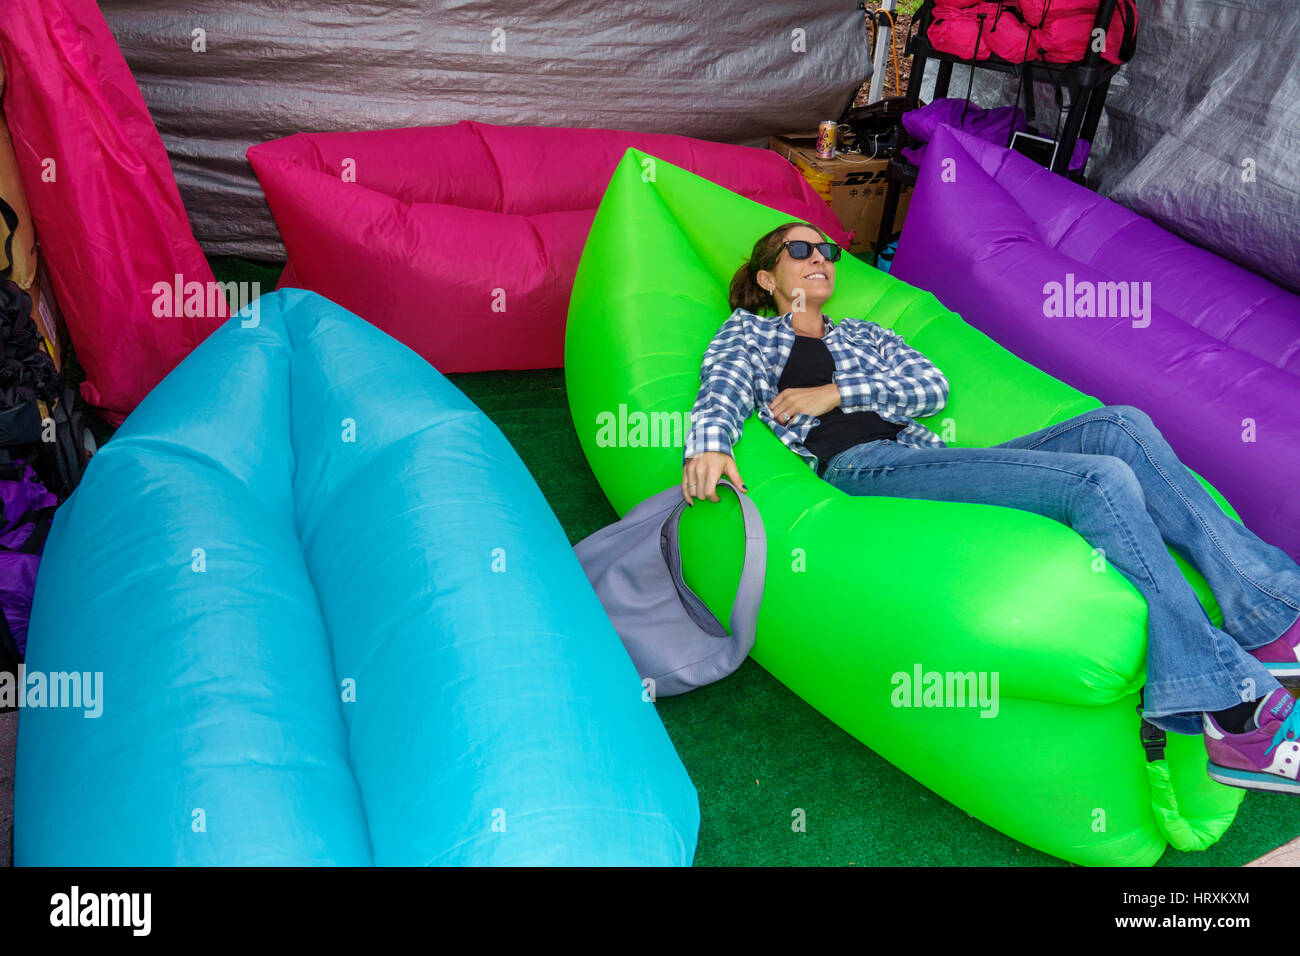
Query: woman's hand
{"type": "Point", "coordinates": [805, 401]}
{"type": "Point", "coordinates": [700, 476]}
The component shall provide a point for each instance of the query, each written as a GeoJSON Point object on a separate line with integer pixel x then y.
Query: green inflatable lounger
{"type": "Point", "coordinates": [977, 592]}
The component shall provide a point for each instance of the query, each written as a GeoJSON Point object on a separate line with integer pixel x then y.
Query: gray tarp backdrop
{"type": "Point", "coordinates": [726, 70]}
{"type": "Point", "coordinates": [1215, 154]}
{"type": "Point", "coordinates": [1202, 127]}
{"type": "Point", "coordinates": [1214, 84]}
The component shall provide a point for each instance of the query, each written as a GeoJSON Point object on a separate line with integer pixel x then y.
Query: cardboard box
{"type": "Point", "coordinates": [22, 253]}
{"type": "Point", "coordinates": [852, 185]}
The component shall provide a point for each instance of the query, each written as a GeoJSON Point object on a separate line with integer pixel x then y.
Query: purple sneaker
{"type": "Point", "coordinates": [1282, 657]}
{"type": "Point", "coordinates": [1267, 755]}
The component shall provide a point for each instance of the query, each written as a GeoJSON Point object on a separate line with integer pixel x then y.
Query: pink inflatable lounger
{"type": "Point", "coordinates": [104, 200]}
{"type": "Point", "coordinates": [1116, 306]}
{"type": "Point", "coordinates": [462, 241]}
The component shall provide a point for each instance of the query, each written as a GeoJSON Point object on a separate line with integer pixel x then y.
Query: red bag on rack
{"type": "Point", "coordinates": [1065, 38]}
{"type": "Point", "coordinates": [1009, 37]}
{"type": "Point", "coordinates": [1035, 12]}
{"type": "Point", "coordinates": [978, 31]}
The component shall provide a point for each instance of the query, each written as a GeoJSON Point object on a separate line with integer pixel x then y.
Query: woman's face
{"type": "Point", "coordinates": [800, 285]}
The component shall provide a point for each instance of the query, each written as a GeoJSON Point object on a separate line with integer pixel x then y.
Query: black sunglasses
{"type": "Point", "coordinates": [802, 249]}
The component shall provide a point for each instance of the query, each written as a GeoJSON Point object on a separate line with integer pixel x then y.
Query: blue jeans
{"type": "Point", "coordinates": [1111, 476]}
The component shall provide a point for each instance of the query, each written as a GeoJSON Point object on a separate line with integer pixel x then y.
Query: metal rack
{"type": "Point", "coordinates": [1086, 81]}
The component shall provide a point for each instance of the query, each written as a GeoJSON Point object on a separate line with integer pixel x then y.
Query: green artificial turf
{"type": "Point", "coordinates": [755, 751]}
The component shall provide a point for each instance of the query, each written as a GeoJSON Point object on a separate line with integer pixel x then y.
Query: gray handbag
{"type": "Point", "coordinates": [635, 566]}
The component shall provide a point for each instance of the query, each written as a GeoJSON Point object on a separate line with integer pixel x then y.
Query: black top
{"type": "Point", "coordinates": [811, 364]}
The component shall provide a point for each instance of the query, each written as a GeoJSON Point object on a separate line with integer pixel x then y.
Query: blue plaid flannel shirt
{"type": "Point", "coordinates": [874, 369]}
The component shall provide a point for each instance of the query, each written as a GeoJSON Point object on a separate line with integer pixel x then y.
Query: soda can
{"type": "Point", "coordinates": [826, 140]}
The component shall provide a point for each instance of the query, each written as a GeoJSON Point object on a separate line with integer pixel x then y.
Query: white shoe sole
{"type": "Point", "coordinates": [1251, 780]}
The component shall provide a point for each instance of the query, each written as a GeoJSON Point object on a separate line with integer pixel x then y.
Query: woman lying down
{"type": "Point", "coordinates": [846, 395]}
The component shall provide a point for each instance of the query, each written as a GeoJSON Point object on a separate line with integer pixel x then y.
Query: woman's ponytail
{"type": "Point", "coordinates": [746, 293]}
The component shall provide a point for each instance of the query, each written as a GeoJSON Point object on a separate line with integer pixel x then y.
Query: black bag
{"type": "Point", "coordinates": [10, 219]}
{"type": "Point", "coordinates": [38, 419]}
{"type": "Point", "coordinates": [8, 659]}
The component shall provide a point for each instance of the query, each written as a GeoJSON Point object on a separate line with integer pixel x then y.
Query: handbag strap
{"type": "Point", "coordinates": [749, 592]}
{"type": "Point", "coordinates": [10, 219]}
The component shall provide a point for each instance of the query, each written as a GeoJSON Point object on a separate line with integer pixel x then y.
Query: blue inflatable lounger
{"type": "Point", "coordinates": [321, 614]}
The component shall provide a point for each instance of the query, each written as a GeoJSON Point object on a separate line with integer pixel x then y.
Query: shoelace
{"type": "Point", "coordinates": [1289, 730]}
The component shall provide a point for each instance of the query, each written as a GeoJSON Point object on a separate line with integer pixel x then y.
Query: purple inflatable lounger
{"type": "Point", "coordinates": [1118, 307]}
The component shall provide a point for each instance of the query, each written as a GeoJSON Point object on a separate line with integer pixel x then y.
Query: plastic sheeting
{"type": "Point", "coordinates": [729, 70]}
{"type": "Point", "coordinates": [1207, 129]}
{"type": "Point", "coordinates": [1214, 83]}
